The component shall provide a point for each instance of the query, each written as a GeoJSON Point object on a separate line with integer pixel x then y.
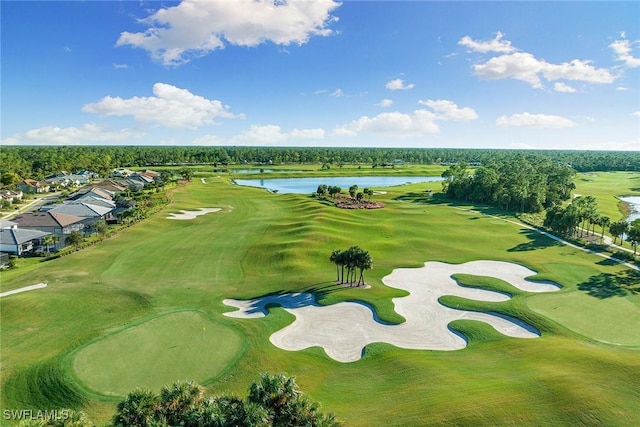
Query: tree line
{"type": "Point", "coordinates": [273, 401]}
{"type": "Point", "coordinates": [525, 184]}
{"type": "Point", "coordinates": [38, 161]}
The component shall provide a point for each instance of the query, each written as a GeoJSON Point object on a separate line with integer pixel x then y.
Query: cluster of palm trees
{"type": "Point", "coordinates": [351, 260]}
{"type": "Point", "coordinates": [333, 191]}
{"type": "Point", "coordinates": [581, 216]}
{"type": "Point", "coordinates": [275, 400]}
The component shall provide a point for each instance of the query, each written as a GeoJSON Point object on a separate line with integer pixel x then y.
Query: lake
{"type": "Point", "coordinates": [310, 185]}
{"type": "Point", "coordinates": [634, 205]}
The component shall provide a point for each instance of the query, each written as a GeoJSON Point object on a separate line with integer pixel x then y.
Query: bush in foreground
{"type": "Point", "coordinates": [273, 401]}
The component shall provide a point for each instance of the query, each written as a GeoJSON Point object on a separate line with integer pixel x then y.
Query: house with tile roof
{"type": "Point", "coordinates": [58, 224]}
{"type": "Point", "coordinates": [90, 213]}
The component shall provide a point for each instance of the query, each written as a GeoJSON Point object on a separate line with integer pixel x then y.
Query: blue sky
{"type": "Point", "coordinates": [535, 75]}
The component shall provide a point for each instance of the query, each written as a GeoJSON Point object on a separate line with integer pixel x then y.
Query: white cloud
{"type": "Point", "coordinates": [194, 28]}
{"type": "Point", "coordinates": [534, 120]}
{"type": "Point", "coordinates": [577, 70]}
{"type": "Point", "coordinates": [171, 107]}
{"type": "Point", "coordinates": [273, 135]}
{"type": "Point", "coordinates": [520, 66]}
{"type": "Point", "coordinates": [392, 124]}
{"type": "Point", "coordinates": [385, 103]}
{"type": "Point", "coordinates": [120, 66]}
{"type": "Point", "coordinates": [338, 93]}
{"type": "Point", "coordinates": [307, 133]}
{"type": "Point", "coordinates": [87, 133]}
{"type": "Point", "coordinates": [637, 114]}
{"type": "Point", "coordinates": [494, 45]}
{"type": "Point", "coordinates": [398, 84]}
{"type": "Point", "coordinates": [563, 87]}
{"type": "Point", "coordinates": [622, 88]}
{"type": "Point", "coordinates": [524, 66]}
{"type": "Point", "coordinates": [448, 110]}
{"type": "Point", "coordinates": [623, 49]}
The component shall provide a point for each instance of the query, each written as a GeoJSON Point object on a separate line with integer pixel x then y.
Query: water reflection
{"type": "Point", "coordinates": [309, 185]}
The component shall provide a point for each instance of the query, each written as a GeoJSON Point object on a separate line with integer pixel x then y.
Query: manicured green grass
{"type": "Point", "coordinates": [605, 187]}
{"type": "Point", "coordinates": [169, 348]}
{"type": "Point", "coordinates": [261, 243]}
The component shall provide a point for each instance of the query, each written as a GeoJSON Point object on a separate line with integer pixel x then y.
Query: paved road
{"type": "Point", "coordinates": [33, 205]}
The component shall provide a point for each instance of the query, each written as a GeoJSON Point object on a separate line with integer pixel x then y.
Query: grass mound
{"type": "Point", "coordinates": [43, 386]}
{"type": "Point", "coordinates": [157, 352]}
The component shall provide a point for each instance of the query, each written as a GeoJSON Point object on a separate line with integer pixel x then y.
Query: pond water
{"type": "Point", "coordinates": [310, 185]}
{"type": "Point", "coordinates": [263, 170]}
{"type": "Point", "coordinates": [634, 205]}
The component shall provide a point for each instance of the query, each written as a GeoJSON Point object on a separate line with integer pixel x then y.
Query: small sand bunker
{"type": "Point", "coordinates": [344, 329]}
{"type": "Point", "coordinates": [192, 214]}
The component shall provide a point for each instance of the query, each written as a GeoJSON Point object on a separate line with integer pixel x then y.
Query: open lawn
{"type": "Point", "coordinates": [115, 296]}
{"type": "Point", "coordinates": [605, 187]}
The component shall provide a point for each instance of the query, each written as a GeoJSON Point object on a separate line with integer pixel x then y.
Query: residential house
{"type": "Point", "coordinates": [55, 223]}
{"type": "Point", "coordinates": [94, 200]}
{"type": "Point", "coordinates": [11, 196]}
{"type": "Point", "coordinates": [90, 213]}
{"type": "Point", "coordinates": [31, 186]}
{"type": "Point", "coordinates": [113, 186]}
{"type": "Point", "coordinates": [122, 173]}
{"type": "Point", "coordinates": [5, 223]}
{"type": "Point", "coordinates": [93, 192]}
{"type": "Point", "coordinates": [20, 241]}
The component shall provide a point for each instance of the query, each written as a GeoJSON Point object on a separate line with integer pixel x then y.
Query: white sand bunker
{"type": "Point", "coordinates": [344, 329]}
{"type": "Point", "coordinates": [192, 214]}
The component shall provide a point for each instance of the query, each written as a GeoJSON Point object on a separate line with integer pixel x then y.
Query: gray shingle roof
{"type": "Point", "coordinates": [18, 236]}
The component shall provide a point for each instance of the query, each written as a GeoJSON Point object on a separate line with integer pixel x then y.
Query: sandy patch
{"type": "Point", "coordinates": [344, 329]}
{"type": "Point", "coordinates": [192, 214]}
{"type": "Point", "coordinates": [25, 289]}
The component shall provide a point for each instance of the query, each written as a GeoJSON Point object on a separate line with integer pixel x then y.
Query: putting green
{"type": "Point", "coordinates": [172, 347]}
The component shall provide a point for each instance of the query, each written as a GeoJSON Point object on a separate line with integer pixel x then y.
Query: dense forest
{"type": "Point", "coordinates": [36, 162]}
{"type": "Point", "coordinates": [521, 183]}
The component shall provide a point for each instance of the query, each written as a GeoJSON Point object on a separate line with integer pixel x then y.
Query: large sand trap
{"type": "Point", "coordinates": [344, 329]}
{"type": "Point", "coordinates": [192, 214]}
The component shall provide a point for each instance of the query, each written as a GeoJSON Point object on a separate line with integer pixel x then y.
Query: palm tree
{"type": "Point", "coordinates": [277, 393]}
{"type": "Point", "coordinates": [287, 406]}
{"type": "Point", "coordinates": [365, 262]}
{"type": "Point", "coordinates": [137, 409]}
{"type": "Point", "coordinates": [604, 222]}
{"type": "Point", "coordinates": [179, 399]}
{"type": "Point", "coordinates": [50, 240]}
{"type": "Point", "coordinates": [353, 190]}
{"type": "Point", "coordinates": [335, 258]}
{"type": "Point", "coordinates": [633, 237]}
{"type": "Point", "coordinates": [617, 229]}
